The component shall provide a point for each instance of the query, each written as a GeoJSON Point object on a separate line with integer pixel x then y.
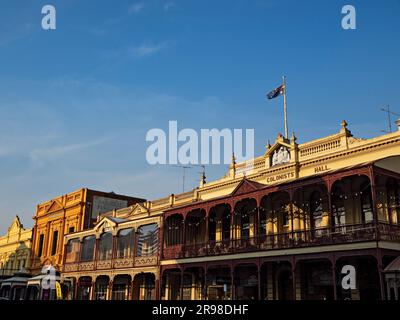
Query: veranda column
{"type": "Point", "coordinates": [182, 271]}
{"type": "Point", "coordinates": [183, 237]}
{"type": "Point", "coordinates": [258, 224]}
{"type": "Point", "coordinates": [380, 273]}
{"type": "Point", "coordinates": [328, 185]}
{"type": "Point", "coordinates": [232, 283]}
{"type": "Point", "coordinates": [109, 290]}
{"type": "Point", "coordinates": [205, 284]}
{"type": "Point", "coordinates": [93, 290]}
{"type": "Point", "coordinates": [76, 288]}
{"type": "Point", "coordinates": [294, 278]}
{"type": "Point", "coordinates": [374, 202]}
{"type": "Point", "coordinates": [334, 280]}
{"type": "Point", "coordinates": [157, 288]}
{"type": "Point", "coordinates": [207, 237]}
{"type": "Point", "coordinates": [130, 288]}
{"type": "Point", "coordinates": [259, 280]}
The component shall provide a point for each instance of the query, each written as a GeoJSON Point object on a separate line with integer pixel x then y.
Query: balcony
{"type": "Point", "coordinates": [287, 240]}
{"type": "Point", "coordinates": [117, 263]}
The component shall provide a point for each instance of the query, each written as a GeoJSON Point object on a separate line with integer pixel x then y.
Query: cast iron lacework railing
{"type": "Point", "coordinates": [296, 239]}
{"type": "Point", "coordinates": [129, 262]}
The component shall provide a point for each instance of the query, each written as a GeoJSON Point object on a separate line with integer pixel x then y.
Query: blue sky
{"type": "Point", "coordinates": [76, 102]}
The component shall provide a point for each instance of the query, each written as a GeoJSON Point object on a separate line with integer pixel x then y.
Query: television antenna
{"type": "Point", "coordinates": [183, 174]}
{"type": "Point", "coordinates": [389, 114]}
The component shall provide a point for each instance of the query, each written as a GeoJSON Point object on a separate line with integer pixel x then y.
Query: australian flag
{"type": "Point", "coordinates": [276, 92]}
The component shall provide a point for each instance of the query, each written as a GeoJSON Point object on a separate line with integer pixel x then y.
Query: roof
{"type": "Point", "coordinates": [14, 281]}
{"type": "Point", "coordinates": [117, 220]}
{"type": "Point", "coordinates": [259, 186]}
{"type": "Point", "coordinates": [38, 279]}
{"type": "Point", "coordinates": [394, 266]}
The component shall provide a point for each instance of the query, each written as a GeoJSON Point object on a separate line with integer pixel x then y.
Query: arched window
{"type": "Point", "coordinates": [105, 246]}
{"type": "Point", "coordinates": [88, 244]}
{"type": "Point", "coordinates": [147, 244]}
{"type": "Point", "coordinates": [195, 227]}
{"type": "Point", "coordinates": [174, 230]}
{"type": "Point", "coordinates": [72, 251]}
{"type": "Point", "coordinates": [393, 200]}
{"type": "Point", "coordinates": [125, 243]}
{"type": "Point", "coordinates": [281, 211]}
{"type": "Point", "coordinates": [243, 220]}
{"type": "Point", "coordinates": [338, 207]}
{"type": "Point", "coordinates": [226, 224]}
{"type": "Point", "coordinates": [212, 226]}
{"type": "Point", "coordinates": [366, 203]}
{"type": "Point", "coordinates": [316, 210]}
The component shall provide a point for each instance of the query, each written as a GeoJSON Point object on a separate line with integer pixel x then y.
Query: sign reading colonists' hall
{"type": "Point", "coordinates": [281, 177]}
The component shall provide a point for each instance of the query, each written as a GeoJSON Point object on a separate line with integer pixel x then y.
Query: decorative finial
{"type": "Point", "coordinates": [343, 124]}
{"type": "Point", "coordinates": [268, 145]}
{"type": "Point", "coordinates": [293, 138]}
{"type": "Point", "coordinates": [398, 124]}
{"type": "Point", "coordinates": [232, 169]}
{"type": "Point", "coordinates": [202, 179]}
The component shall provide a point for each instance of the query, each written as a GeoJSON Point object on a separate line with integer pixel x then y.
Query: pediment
{"type": "Point", "coordinates": [15, 226]}
{"type": "Point", "coordinates": [55, 206]}
{"type": "Point", "coordinates": [246, 186]}
{"type": "Point", "coordinates": [139, 209]}
{"type": "Point", "coordinates": [280, 153]}
{"type": "Point", "coordinates": [105, 224]}
{"type": "Point", "coordinates": [276, 146]}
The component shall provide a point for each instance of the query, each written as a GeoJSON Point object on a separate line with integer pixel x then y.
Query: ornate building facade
{"type": "Point", "coordinates": [284, 227]}
{"type": "Point", "coordinates": [281, 227]}
{"type": "Point", "coordinates": [68, 213]}
{"type": "Point", "coordinates": [15, 248]}
{"type": "Point", "coordinates": [118, 259]}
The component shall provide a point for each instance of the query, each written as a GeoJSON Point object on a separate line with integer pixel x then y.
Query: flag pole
{"type": "Point", "coordinates": [285, 109]}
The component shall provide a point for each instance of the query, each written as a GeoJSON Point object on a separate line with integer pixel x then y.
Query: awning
{"type": "Point", "coordinates": [14, 281]}
{"type": "Point", "coordinates": [394, 266]}
{"type": "Point", "coordinates": [37, 280]}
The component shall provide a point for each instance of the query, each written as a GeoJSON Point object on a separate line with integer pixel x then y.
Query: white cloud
{"type": "Point", "coordinates": [148, 49]}
{"type": "Point", "coordinates": [42, 155]}
{"type": "Point", "coordinates": [136, 8]}
{"type": "Point", "coordinates": [169, 5]}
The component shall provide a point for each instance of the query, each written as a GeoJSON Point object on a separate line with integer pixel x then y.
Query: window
{"type": "Point", "coordinates": [147, 240]}
{"type": "Point", "coordinates": [366, 203]}
{"type": "Point", "coordinates": [41, 242]}
{"type": "Point", "coordinates": [338, 207]}
{"type": "Point", "coordinates": [174, 230]}
{"type": "Point", "coordinates": [281, 212]}
{"type": "Point", "coordinates": [88, 245]}
{"type": "Point", "coordinates": [285, 219]}
{"type": "Point", "coordinates": [316, 210]}
{"type": "Point", "coordinates": [105, 246]}
{"type": "Point", "coordinates": [125, 241]}
{"type": "Point", "coordinates": [72, 251]}
{"type": "Point", "coordinates": [54, 245]}
{"type": "Point", "coordinates": [244, 222]}
{"type": "Point", "coordinates": [71, 230]}
{"type": "Point", "coordinates": [393, 200]}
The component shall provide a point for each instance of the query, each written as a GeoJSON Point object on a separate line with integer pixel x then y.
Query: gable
{"type": "Point", "coordinates": [139, 209]}
{"type": "Point", "coordinates": [55, 206]}
{"type": "Point", "coordinates": [246, 186]}
{"type": "Point", "coordinates": [105, 224]}
{"type": "Point", "coordinates": [280, 153]}
{"type": "Point", "coordinates": [15, 226]}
